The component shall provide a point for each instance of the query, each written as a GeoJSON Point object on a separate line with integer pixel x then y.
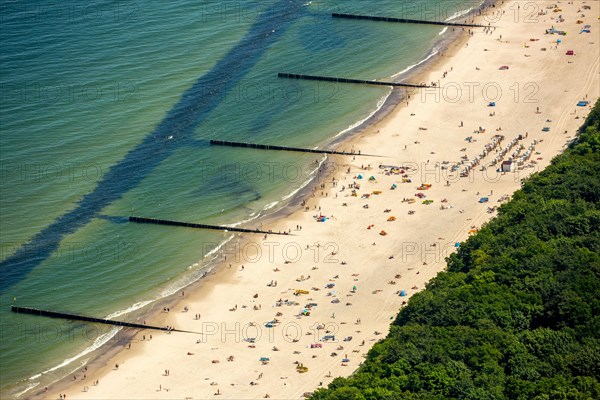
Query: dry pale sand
{"type": "Point", "coordinates": [418, 242]}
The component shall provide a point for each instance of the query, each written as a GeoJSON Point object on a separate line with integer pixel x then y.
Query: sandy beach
{"type": "Point", "coordinates": [378, 227]}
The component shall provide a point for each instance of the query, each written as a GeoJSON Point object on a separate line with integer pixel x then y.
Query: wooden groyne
{"type": "Point", "coordinates": [144, 220]}
{"type": "Point", "coordinates": [348, 80]}
{"type": "Point", "coordinates": [283, 148]}
{"type": "Point", "coordinates": [74, 317]}
{"type": "Point", "coordinates": [404, 20]}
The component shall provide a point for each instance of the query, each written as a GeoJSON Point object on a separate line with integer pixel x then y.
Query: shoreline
{"type": "Point", "coordinates": [223, 274]}
{"type": "Point", "coordinates": [102, 356]}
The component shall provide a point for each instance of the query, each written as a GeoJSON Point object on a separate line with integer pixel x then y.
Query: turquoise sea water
{"type": "Point", "coordinates": [106, 110]}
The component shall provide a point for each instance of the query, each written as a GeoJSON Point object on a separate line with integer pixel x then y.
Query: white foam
{"type": "Point", "coordinates": [463, 12]}
{"type": "Point", "coordinates": [306, 182]}
{"type": "Point", "coordinates": [28, 388]}
{"type": "Point", "coordinates": [433, 53]}
{"type": "Point", "coordinates": [183, 282]}
{"type": "Point", "coordinates": [129, 309]}
{"type": "Point", "coordinates": [81, 364]}
{"type": "Point", "coordinates": [271, 205]}
{"type": "Point", "coordinates": [380, 104]}
{"type": "Point", "coordinates": [253, 216]}
{"type": "Point", "coordinates": [213, 251]}
{"type": "Point", "coordinates": [100, 340]}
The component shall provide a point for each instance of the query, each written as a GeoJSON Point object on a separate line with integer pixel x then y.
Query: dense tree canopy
{"type": "Point", "coordinates": [517, 313]}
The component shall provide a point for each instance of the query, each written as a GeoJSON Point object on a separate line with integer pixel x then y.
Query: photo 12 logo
{"type": "Point", "coordinates": [527, 12]}
{"type": "Point", "coordinates": [73, 252]}
{"type": "Point", "coordinates": [266, 171]}
{"type": "Point", "coordinates": [270, 332]}
{"type": "Point", "coordinates": [41, 93]}
{"type": "Point", "coordinates": [440, 11]}
{"type": "Point", "coordinates": [51, 332]}
{"type": "Point", "coordinates": [273, 252]}
{"type": "Point", "coordinates": [35, 172]}
{"type": "Point", "coordinates": [29, 13]}
{"type": "Point", "coordinates": [484, 92]}
{"type": "Point", "coordinates": [265, 92]}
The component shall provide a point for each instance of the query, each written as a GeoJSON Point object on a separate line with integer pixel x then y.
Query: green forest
{"type": "Point", "coordinates": [516, 315]}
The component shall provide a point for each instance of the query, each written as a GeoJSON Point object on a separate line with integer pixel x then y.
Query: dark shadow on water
{"type": "Point", "coordinates": [113, 218]}
{"type": "Point", "coordinates": [175, 130]}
